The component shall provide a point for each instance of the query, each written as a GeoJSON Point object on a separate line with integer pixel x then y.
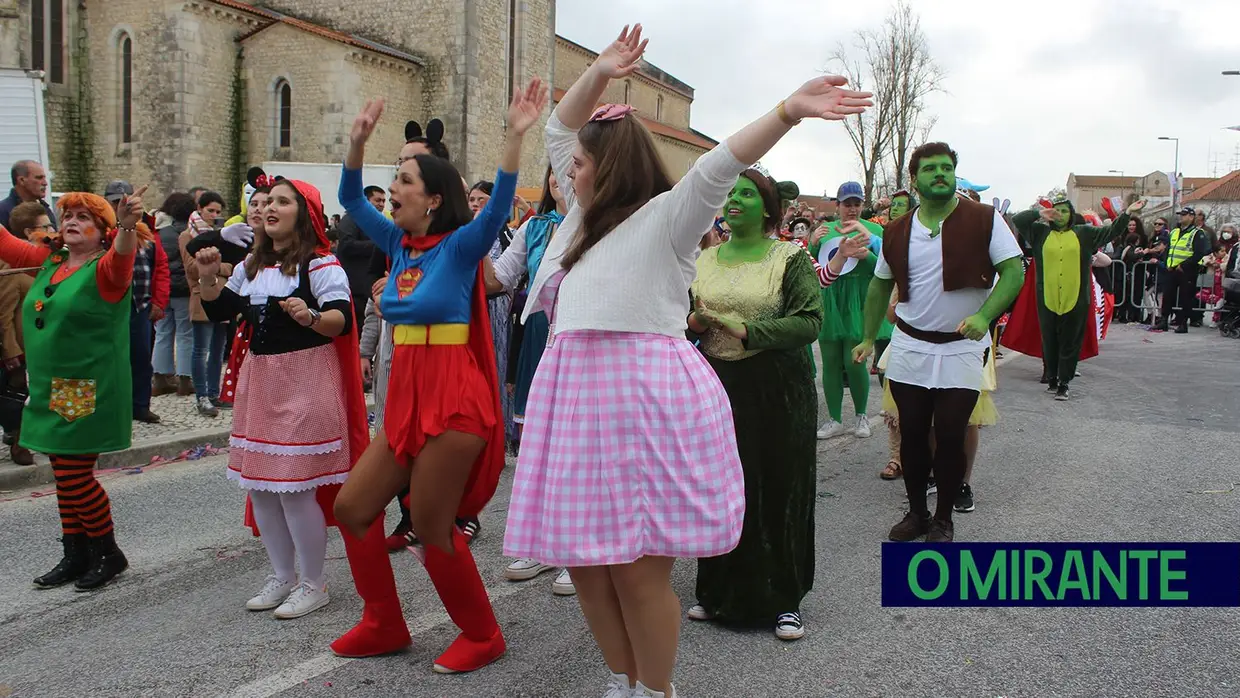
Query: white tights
{"type": "Point", "coordinates": [292, 524]}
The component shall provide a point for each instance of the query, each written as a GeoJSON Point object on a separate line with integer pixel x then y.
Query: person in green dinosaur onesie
{"type": "Point", "coordinates": [842, 325]}
{"type": "Point", "coordinates": [1063, 246]}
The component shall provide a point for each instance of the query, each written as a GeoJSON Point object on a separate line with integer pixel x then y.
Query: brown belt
{"type": "Point", "coordinates": [927, 335]}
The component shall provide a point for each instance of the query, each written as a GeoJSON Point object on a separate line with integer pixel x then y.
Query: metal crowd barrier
{"type": "Point", "coordinates": [1152, 277]}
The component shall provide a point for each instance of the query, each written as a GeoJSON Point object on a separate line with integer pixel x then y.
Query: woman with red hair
{"type": "Point", "coordinates": [75, 321]}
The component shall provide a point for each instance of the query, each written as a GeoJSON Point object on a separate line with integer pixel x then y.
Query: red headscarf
{"type": "Point", "coordinates": [350, 369]}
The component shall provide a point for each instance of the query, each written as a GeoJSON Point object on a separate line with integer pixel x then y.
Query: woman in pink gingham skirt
{"type": "Point", "coordinates": [629, 458]}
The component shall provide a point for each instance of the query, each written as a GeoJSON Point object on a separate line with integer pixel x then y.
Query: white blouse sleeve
{"type": "Point", "coordinates": [511, 265]}
{"type": "Point", "coordinates": [561, 141]}
{"type": "Point", "coordinates": [237, 279]}
{"type": "Point", "coordinates": [691, 205]}
{"type": "Point", "coordinates": [328, 282]}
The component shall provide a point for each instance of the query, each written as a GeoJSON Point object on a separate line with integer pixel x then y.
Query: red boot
{"type": "Point", "coordinates": [464, 596]}
{"type": "Point", "coordinates": [383, 629]}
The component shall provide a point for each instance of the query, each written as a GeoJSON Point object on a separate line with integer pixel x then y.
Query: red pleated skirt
{"type": "Point", "coordinates": [433, 389]}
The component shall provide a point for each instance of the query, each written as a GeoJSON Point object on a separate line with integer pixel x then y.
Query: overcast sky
{"type": "Point", "coordinates": [1034, 90]}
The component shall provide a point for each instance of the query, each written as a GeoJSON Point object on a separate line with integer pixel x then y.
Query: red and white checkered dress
{"type": "Point", "coordinates": [289, 434]}
{"type": "Point", "coordinates": [629, 450]}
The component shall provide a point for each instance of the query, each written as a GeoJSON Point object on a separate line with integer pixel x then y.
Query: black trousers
{"type": "Point", "coordinates": [946, 411]}
{"type": "Point", "coordinates": [1179, 291]}
{"type": "Point", "coordinates": [1062, 337]}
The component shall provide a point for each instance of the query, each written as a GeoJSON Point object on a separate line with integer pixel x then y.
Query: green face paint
{"type": "Point", "coordinates": [744, 210]}
{"type": "Point", "coordinates": [936, 178]}
{"type": "Point", "coordinates": [899, 207]}
{"type": "Point", "coordinates": [1065, 216]}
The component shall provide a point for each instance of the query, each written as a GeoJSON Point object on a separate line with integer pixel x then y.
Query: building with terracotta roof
{"type": "Point", "coordinates": [1087, 191]}
{"type": "Point", "coordinates": [1220, 200]}
{"type": "Point", "coordinates": [662, 102]}
{"type": "Point", "coordinates": [191, 92]}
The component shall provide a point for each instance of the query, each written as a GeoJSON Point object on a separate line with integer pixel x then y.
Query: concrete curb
{"type": "Point", "coordinates": [14, 477]}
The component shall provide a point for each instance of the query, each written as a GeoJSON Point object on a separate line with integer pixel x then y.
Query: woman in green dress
{"type": "Point", "coordinates": [75, 321]}
{"type": "Point", "coordinates": [756, 309]}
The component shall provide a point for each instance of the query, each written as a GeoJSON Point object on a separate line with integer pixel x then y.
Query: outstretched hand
{"type": "Point", "coordinates": [365, 123]}
{"type": "Point", "coordinates": [623, 57]}
{"type": "Point", "coordinates": [527, 106]}
{"type": "Point", "coordinates": [1135, 207]}
{"type": "Point", "coordinates": [129, 210]}
{"type": "Point", "coordinates": [856, 246]}
{"type": "Point", "coordinates": [826, 98]}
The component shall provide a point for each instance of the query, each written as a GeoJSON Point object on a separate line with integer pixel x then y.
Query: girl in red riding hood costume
{"type": "Point", "coordinates": [293, 444]}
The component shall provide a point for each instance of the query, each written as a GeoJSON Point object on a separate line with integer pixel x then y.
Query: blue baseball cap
{"type": "Point", "coordinates": [850, 190]}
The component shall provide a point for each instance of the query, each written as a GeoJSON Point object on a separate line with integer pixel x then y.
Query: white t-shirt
{"type": "Point", "coordinates": [931, 308]}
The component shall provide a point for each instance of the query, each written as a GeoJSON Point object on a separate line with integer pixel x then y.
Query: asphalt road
{"type": "Point", "coordinates": [1145, 451]}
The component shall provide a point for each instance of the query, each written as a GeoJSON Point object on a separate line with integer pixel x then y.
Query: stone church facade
{"type": "Point", "coordinates": [180, 93]}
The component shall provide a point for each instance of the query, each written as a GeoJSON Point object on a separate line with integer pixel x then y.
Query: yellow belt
{"type": "Point", "coordinates": [431, 334]}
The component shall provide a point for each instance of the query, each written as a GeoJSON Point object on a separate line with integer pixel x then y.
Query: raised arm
{"type": "Point", "coordinates": [1024, 223]}
{"type": "Point", "coordinates": [375, 225]}
{"type": "Point", "coordinates": [619, 60]}
{"type": "Point", "coordinates": [475, 239]}
{"type": "Point", "coordinates": [701, 192]}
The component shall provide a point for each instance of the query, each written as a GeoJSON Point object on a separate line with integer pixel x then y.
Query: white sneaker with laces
{"type": "Point", "coordinates": [863, 427]}
{"type": "Point", "coordinates": [789, 626]}
{"type": "Point", "coordinates": [831, 429]}
{"type": "Point", "coordinates": [563, 584]}
{"type": "Point", "coordinates": [273, 593]}
{"type": "Point", "coordinates": [698, 612]}
{"type": "Point", "coordinates": [306, 598]}
{"type": "Point", "coordinates": [525, 568]}
{"type": "Point", "coordinates": [618, 687]}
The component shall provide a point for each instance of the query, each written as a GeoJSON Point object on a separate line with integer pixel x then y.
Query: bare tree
{"type": "Point", "coordinates": [865, 66]}
{"type": "Point", "coordinates": [916, 76]}
{"type": "Point", "coordinates": [894, 63]}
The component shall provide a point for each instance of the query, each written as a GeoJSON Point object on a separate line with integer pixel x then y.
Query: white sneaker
{"type": "Point", "coordinates": [563, 584]}
{"type": "Point", "coordinates": [306, 598]}
{"type": "Point", "coordinates": [698, 612]}
{"type": "Point", "coordinates": [644, 692]}
{"type": "Point", "coordinates": [863, 427]}
{"type": "Point", "coordinates": [274, 592]}
{"type": "Point", "coordinates": [618, 687]}
{"type": "Point", "coordinates": [789, 626]}
{"type": "Point", "coordinates": [525, 568]}
{"type": "Point", "coordinates": [831, 429]}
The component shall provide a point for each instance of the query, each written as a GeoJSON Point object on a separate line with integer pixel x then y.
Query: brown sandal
{"type": "Point", "coordinates": [892, 471]}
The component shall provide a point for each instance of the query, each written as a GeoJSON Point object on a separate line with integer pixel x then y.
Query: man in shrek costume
{"type": "Point", "coordinates": [842, 322]}
{"type": "Point", "coordinates": [757, 309]}
{"type": "Point", "coordinates": [1063, 246]}
{"type": "Point", "coordinates": [942, 258]}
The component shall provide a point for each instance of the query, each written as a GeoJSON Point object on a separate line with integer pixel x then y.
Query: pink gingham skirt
{"type": "Point", "coordinates": [629, 450]}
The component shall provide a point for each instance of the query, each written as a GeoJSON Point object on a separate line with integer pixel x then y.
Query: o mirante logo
{"type": "Point", "coordinates": [1061, 574]}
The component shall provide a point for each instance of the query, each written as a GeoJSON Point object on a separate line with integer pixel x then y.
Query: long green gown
{"type": "Point", "coordinates": [769, 380]}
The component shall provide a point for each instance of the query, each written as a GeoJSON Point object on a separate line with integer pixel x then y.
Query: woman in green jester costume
{"type": "Point", "coordinates": [1063, 246]}
{"type": "Point", "coordinates": [842, 321]}
{"type": "Point", "coordinates": [75, 321]}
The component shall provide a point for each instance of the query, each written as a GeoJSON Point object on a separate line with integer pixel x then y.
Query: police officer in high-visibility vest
{"type": "Point", "coordinates": [1188, 245]}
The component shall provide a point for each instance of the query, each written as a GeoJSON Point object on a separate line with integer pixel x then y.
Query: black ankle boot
{"type": "Point", "coordinates": [106, 561]}
{"type": "Point", "coordinates": [72, 566]}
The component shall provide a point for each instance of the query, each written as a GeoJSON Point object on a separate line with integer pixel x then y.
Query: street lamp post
{"type": "Point", "coordinates": [1122, 189]}
{"type": "Point", "coordinates": [1175, 195]}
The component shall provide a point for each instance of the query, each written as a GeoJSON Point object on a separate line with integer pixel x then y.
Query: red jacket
{"type": "Point", "coordinates": [161, 279]}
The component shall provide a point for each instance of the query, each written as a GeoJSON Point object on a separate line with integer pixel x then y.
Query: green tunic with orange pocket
{"type": "Point", "coordinates": [77, 353]}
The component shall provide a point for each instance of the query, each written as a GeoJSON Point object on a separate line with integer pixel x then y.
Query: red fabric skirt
{"type": "Point", "coordinates": [433, 389]}
{"type": "Point", "coordinates": [1023, 332]}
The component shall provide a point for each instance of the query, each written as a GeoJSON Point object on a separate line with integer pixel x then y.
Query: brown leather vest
{"type": "Point", "coordinates": [966, 248]}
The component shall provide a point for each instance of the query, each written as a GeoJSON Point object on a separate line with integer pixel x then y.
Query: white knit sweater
{"type": "Point", "coordinates": [636, 279]}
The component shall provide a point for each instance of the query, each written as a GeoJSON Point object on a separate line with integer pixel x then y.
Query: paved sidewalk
{"type": "Point", "coordinates": [182, 428]}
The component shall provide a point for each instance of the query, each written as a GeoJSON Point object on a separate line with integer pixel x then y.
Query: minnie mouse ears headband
{"type": "Point", "coordinates": [433, 137]}
{"type": "Point", "coordinates": [259, 179]}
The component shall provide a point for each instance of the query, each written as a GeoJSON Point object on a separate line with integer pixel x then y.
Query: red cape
{"type": "Point", "coordinates": [1023, 333]}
